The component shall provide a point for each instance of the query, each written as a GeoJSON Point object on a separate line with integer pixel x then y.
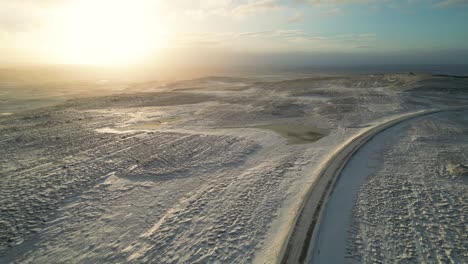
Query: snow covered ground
{"type": "Point", "coordinates": [206, 170]}
{"type": "Point", "coordinates": [402, 197]}
{"type": "Point", "coordinates": [414, 208]}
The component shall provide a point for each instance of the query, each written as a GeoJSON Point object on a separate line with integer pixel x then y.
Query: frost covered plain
{"type": "Point", "coordinates": [214, 170]}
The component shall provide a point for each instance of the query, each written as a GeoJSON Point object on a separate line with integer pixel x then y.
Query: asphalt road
{"type": "Point", "coordinates": [302, 234]}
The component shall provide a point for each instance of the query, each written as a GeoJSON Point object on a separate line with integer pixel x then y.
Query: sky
{"type": "Point", "coordinates": [218, 32]}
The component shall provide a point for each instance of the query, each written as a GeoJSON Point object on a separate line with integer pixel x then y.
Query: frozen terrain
{"type": "Point", "coordinates": [419, 209]}
{"type": "Point", "coordinates": [215, 169]}
{"type": "Point", "coordinates": [402, 197]}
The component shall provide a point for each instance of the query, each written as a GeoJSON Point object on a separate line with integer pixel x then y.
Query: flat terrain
{"type": "Point", "coordinates": [419, 210]}
{"type": "Point", "coordinates": [303, 237]}
{"type": "Point", "coordinates": [401, 197]}
{"type": "Point", "coordinates": [206, 170]}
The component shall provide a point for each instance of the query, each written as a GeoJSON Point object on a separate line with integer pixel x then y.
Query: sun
{"type": "Point", "coordinates": [107, 32]}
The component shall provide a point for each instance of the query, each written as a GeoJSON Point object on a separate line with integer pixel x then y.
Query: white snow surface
{"type": "Point", "coordinates": [182, 175]}
{"type": "Point", "coordinates": [402, 197]}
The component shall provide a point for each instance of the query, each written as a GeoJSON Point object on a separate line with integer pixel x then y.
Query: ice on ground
{"type": "Point", "coordinates": [190, 180]}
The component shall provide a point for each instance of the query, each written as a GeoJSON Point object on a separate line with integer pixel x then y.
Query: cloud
{"type": "Point", "coordinates": [292, 35]}
{"type": "Point", "coordinates": [363, 47]}
{"type": "Point", "coordinates": [302, 40]}
{"type": "Point", "coordinates": [332, 12]}
{"type": "Point", "coordinates": [338, 1]}
{"type": "Point", "coordinates": [256, 6]}
{"type": "Point", "coordinates": [280, 33]}
{"type": "Point", "coordinates": [202, 9]}
{"type": "Point", "coordinates": [296, 17]}
{"type": "Point", "coordinates": [308, 39]}
{"type": "Point", "coordinates": [19, 16]}
{"type": "Point", "coordinates": [439, 3]}
{"type": "Point", "coordinates": [447, 3]}
{"type": "Point", "coordinates": [367, 35]}
{"type": "Point", "coordinates": [190, 39]}
{"type": "Point", "coordinates": [37, 3]}
{"type": "Point", "coordinates": [257, 33]}
{"type": "Point", "coordinates": [362, 37]}
{"type": "Point", "coordinates": [209, 39]}
{"type": "Point", "coordinates": [345, 36]}
{"type": "Point", "coordinates": [289, 33]}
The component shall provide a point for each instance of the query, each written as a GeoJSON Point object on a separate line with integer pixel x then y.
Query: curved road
{"type": "Point", "coordinates": [303, 233]}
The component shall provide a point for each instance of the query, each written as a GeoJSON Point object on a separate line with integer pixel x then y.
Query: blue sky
{"type": "Point", "coordinates": [60, 31]}
{"type": "Point", "coordinates": [405, 26]}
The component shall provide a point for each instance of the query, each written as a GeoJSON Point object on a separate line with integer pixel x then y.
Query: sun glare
{"type": "Point", "coordinates": [107, 32]}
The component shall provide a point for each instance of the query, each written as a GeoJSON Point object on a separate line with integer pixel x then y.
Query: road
{"type": "Point", "coordinates": [302, 234]}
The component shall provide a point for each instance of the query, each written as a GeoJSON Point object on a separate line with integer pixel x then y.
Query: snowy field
{"type": "Point", "coordinates": [414, 208]}
{"type": "Point", "coordinates": [213, 170]}
{"type": "Point", "coordinates": [402, 197]}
